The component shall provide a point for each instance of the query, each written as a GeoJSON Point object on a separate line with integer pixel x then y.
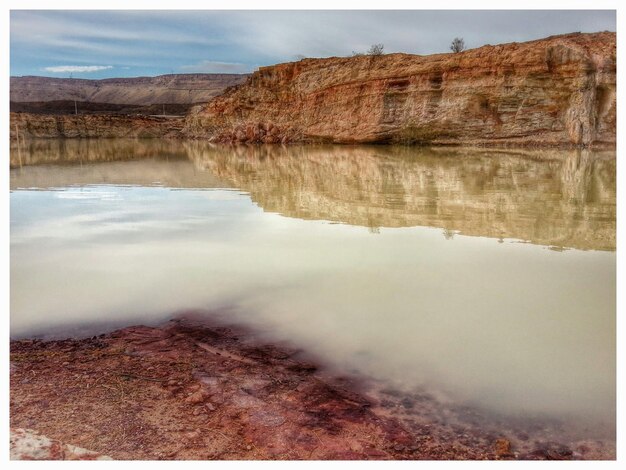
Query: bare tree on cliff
{"type": "Point", "coordinates": [457, 45]}
{"type": "Point", "coordinates": [376, 49]}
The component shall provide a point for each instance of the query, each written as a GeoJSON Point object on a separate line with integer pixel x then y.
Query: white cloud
{"type": "Point", "coordinates": [210, 66]}
{"type": "Point", "coordinates": [77, 68]}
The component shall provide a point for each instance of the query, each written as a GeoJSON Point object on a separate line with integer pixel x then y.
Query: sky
{"type": "Point", "coordinates": [131, 43]}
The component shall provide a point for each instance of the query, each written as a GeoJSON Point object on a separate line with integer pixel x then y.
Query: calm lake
{"type": "Point", "coordinates": [486, 275]}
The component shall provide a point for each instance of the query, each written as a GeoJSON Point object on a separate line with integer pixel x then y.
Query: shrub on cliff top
{"type": "Point", "coordinates": [457, 45]}
{"type": "Point", "coordinates": [375, 49]}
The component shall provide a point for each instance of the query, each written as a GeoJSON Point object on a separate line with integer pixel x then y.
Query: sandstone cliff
{"type": "Point", "coordinates": [554, 91]}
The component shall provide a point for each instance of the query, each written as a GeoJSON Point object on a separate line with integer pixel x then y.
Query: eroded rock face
{"type": "Point", "coordinates": [555, 91]}
{"type": "Point", "coordinates": [91, 126]}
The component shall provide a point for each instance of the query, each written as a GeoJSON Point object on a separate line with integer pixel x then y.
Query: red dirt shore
{"type": "Point", "coordinates": [186, 390]}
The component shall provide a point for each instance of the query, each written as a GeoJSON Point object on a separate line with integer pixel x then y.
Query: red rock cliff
{"type": "Point", "coordinates": [554, 91]}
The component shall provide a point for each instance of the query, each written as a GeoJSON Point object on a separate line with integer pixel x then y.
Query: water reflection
{"type": "Point", "coordinates": [71, 151]}
{"type": "Point", "coordinates": [563, 199]}
{"type": "Point", "coordinates": [512, 326]}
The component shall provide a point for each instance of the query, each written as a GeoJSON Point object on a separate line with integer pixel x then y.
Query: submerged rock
{"type": "Point", "coordinates": [186, 390]}
{"type": "Point", "coordinates": [503, 448]}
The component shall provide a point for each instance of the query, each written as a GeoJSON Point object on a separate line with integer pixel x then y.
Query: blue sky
{"type": "Point", "coordinates": [99, 44]}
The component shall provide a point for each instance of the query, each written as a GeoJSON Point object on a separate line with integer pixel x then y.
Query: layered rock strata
{"type": "Point", "coordinates": [558, 91]}
{"type": "Point", "coordinates": [28, 126]}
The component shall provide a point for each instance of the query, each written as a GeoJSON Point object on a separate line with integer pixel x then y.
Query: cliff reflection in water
{"type": "Point", "coordinates": [562, 199]}
{"type": "Point", "coordinates": [559, 198]}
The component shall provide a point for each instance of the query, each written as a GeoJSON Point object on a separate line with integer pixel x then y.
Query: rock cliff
{"type": "Point", "coordinates": [558, 91]}
{"type": "Point", "coordinates": [29, 125]}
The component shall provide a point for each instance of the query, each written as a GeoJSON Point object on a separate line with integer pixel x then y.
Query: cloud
{"type": "Point", "coordinates": [160, 41]}
{"type": "Point", "coordinates": [77, 68]}
{"type": "Point", "coordinates": [211, 66]}
{"type": "Point", "coordinates": [125, 25]}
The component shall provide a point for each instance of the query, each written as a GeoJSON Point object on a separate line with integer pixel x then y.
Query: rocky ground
{"type": "Point", "coordinates": [26, 444]}
{"type": "Point", "coordinates": [187, 390]}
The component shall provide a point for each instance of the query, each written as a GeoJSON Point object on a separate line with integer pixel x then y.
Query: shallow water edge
{"type": "Point", "coordinates": [189, 389]}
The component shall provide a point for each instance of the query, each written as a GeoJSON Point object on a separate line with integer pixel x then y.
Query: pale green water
{"type": "Point", "coordinates": [488, 275]}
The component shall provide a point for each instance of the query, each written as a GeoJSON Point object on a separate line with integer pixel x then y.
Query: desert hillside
{"type": "Point", "coordinates": [181, 89]}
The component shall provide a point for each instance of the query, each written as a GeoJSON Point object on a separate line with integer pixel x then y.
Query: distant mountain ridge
{"type": "Point", "coordinates": [185, 89]}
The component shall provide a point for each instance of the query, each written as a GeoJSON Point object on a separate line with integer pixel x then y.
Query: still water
{"type": "Point", "coordinates": [487, 275]}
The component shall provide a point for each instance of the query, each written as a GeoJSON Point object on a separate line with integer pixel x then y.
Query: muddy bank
{"type": "Point", "coordinates": [187, 390]}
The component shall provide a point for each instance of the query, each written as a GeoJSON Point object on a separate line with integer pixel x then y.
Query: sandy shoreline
{"type": "Point", "coordinates": [186, 390]}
